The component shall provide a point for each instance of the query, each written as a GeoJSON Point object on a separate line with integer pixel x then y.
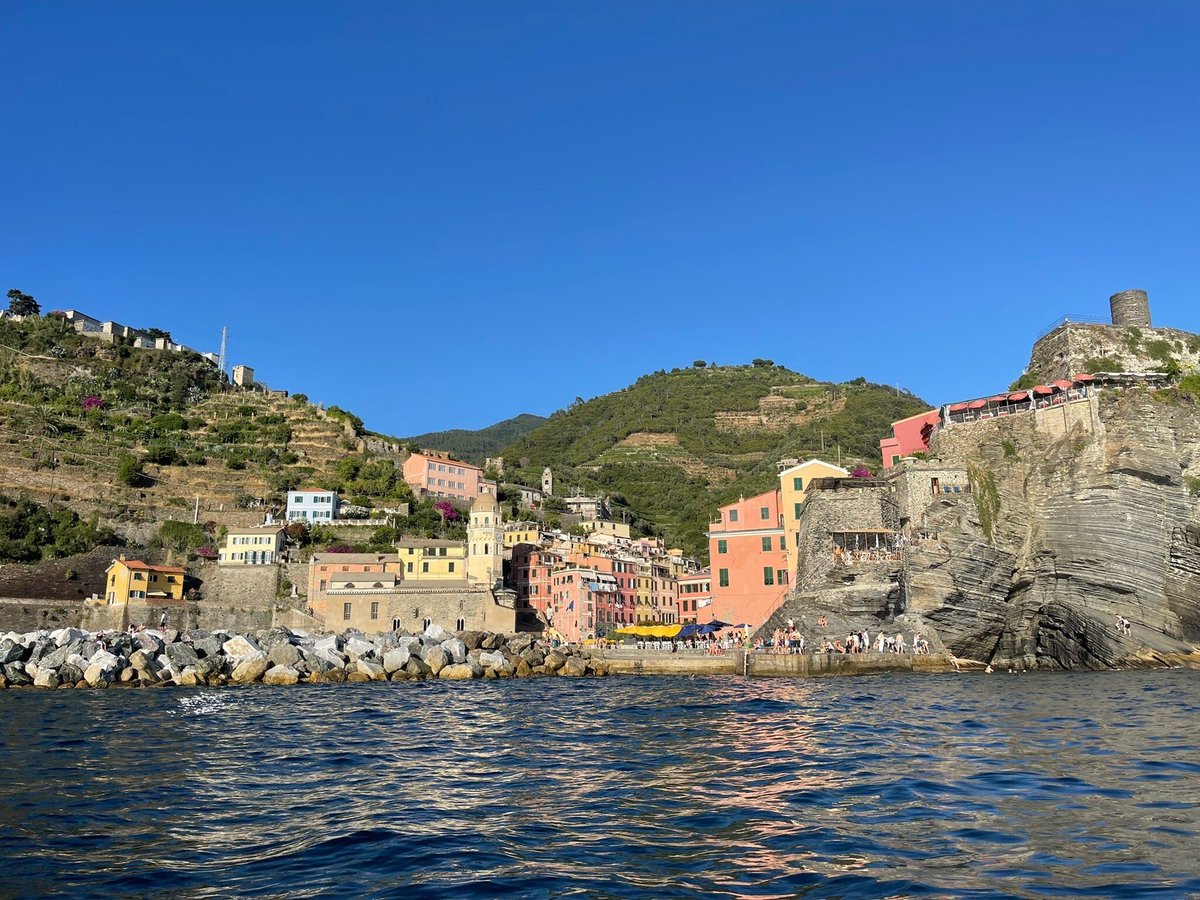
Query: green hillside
{"type": "Point", "coordinates": [673, 446]}
{"type": "Point", "coordinates": [475, 446]}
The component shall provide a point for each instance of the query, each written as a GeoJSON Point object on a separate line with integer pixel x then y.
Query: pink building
{"type": "Point", "coordinates": [441, 477]}
{"type": "Point", "coordinates": [909, 436]}
{"type": "Point", "coordinates": [748, 557]}
{"type": "Point", "coordinates": [695, 598]}
{"type": "Point", "coordinates": [583, 605]}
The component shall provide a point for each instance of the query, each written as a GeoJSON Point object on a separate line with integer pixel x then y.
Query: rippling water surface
{"type": "Point", "coordinates": [1031, 785]}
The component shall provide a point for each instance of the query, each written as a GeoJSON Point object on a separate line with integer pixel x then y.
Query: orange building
{"type": "Point", "coordinates": [748, 560]}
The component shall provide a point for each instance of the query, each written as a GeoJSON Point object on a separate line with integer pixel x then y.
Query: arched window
{"type": "Point", "coordinates": [425, 623]}
{"type": "Point", "coordinates": [461, 625]}
{"type": "Point", "coordinates": [485, 549]}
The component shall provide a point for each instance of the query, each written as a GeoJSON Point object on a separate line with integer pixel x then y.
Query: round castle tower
{"type": "Point", "coordinates": [1130, 308]}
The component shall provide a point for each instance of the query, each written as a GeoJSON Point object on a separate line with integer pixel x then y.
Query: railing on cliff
{"type": "Point", "coordinates": [1071, 320]}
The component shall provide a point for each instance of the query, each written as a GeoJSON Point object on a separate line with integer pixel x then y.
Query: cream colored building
{"type": "Point", "coordinates": [259, 546]}
{"type": "Point", "coordinates": [600, 526]}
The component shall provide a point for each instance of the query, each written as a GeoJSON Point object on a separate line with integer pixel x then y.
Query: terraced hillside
{"type": "Point", "coordinates": [673, 446]}
{"type": "Point", "coordinates": [140, 434]}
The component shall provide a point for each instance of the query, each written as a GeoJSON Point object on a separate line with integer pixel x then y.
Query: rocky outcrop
{"type": "Point", "coordinates": [69, 657]}
{"type": "Point", "coordinates": [1073, 519]}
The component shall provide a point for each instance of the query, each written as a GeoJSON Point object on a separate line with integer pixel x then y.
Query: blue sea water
{"type": "Point", "coordinates": [1043, 784]}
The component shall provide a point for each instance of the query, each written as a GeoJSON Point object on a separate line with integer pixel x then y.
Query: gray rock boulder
{"type": "Point", "coordinates": [11, 651]}
{"type": "Point", "coordinates": [328, 642]}
{"type": "Point", "coordinates": [281, 675]}
{"type": "Point", "coordinates": [491, 659]}
{"type": "Point", "coordinates": [436, 632]}
{"type": "Point", "coordinates": [284, 654]}
{"type": "Point", "coordinates": [250, 668]}
{"type": "Point", "coordinates": [574, 667]}
{"type": "Point", "coordinates": [357, 648]}
{"type": "Point", "coordinates": [554, 661]}
{"type": "Point", "coordinates": [436, 658]}
{"type": "Point", "coordinates": [241, 647]}
{"type": "Point", "coordinates": [46, 678]}
{"type": "Point", "coordinates": [67, 636]}
{"type": "Point", "coordinates": [150, 642]}
{"type": "Point", "coordinates": [207, 646]}
{"type": "Point", "coordinates": [457, 672]}
{"type": "Point", "coordinates": [181, 655]}
{"type": "Point", "coordinates": [102, 667]}
{"type": "Point", "coordinates": [456, 649]}
{"type": "Point", "coordinates": [371, 669]}
{"type": "Point", "coordinates": [471, 639]}
{"type": "Point", "coordinates": [396, 659]}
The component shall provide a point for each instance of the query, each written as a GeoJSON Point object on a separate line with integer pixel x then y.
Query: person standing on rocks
{"type": "Point", "coordinates": [162, 621]}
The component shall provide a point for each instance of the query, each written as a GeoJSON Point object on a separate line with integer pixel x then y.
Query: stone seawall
{"type": "Point", "coordinates": [770, 665]}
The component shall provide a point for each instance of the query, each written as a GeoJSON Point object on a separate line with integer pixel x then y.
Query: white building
{"type": "Point", "coordinates": [312, 506]}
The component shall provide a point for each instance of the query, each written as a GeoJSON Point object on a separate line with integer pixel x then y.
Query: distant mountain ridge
{"type": "Point", "coordinates": [475, 445]}
{"type": "Point", "coordinates": [673, 446]}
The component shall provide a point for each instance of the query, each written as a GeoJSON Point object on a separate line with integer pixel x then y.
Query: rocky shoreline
{"type": "Point", "coordinates": [69, 657]}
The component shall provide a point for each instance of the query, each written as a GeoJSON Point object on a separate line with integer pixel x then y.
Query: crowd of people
{"type": "Point", "coordinates": [789, 640]}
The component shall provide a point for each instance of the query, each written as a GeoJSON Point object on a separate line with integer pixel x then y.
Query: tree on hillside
{"type": "Point", "coordinates": [699, 364]}
{"type": "Point", "coordinates": [20, 304]}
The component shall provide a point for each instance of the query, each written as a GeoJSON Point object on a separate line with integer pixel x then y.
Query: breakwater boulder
{"type": "Point", "coordinates": [73, 658]}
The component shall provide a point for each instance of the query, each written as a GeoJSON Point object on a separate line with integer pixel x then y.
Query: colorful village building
{"type": "Point", "coordinates": [131, 580]}
{"type": "Point", "coordinates": [431, 475]}
{"type": "Point", "coordinates": [748, 553]}
{"type": "Point", "coordinates": [312, 506]}
{"type": "Point", "coordinates": [261, 545]}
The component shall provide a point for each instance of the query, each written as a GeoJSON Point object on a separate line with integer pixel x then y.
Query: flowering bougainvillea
{"type": "Point", "coordinates": [92, 402]}
{"type": "Point", "coordinates": [447, 510]}
{"type": "Point", "coordinates": [860, 472]}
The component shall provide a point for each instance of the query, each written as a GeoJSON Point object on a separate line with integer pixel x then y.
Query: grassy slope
{"type": "Point", "coordinates": [474, 446]}
{"type": "Point", "coordinates": [679, 486]}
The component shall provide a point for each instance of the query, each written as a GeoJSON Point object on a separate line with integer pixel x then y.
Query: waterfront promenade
{"type": "Point", "coordinates": [623, 661]}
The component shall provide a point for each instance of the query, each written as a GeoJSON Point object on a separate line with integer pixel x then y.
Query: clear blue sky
{"type": "Point", "coordinates": [441, 214]}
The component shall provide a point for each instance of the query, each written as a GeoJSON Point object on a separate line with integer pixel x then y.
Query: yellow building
{"type": "Point", "coordinates": [260, 546]}
{"type": "Point", "coordinates": [793, 485]}
{"type": "Point", "coordinates": [485, 537]}
{"type": "Point", "coordinates": [424, 560]}
{"type": "Point", "coordinates": [520, 533]}
{"type": "Point", "coordinates": [616, 529]}
{"type": "Point", "coordinates": [131, 579]}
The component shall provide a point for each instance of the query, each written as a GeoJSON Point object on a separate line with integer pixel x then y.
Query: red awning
{"type": "Point", "coordinates": [1019, 395]}
{"type": "Point", "coordinates": [1084, 378]}
{"type": "Point", "coordinates": [957, 407]}
{"type": "Point", "coordinates": [1064, 384]}
{"type": "Point", "coordinates": [977, 404]}
{"type": "Point", "coordinates": [999, 398]}
{"type": "Point", "coordinates": [1042, 390]}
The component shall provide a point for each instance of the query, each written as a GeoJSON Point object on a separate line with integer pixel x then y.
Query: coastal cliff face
{"type": "Point", "coordinates": [1073, 516]}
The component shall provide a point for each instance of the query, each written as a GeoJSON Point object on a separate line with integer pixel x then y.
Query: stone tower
{"type": "Point", "coordinates": [547, 481]}
{"type": "Point", "coordinates": [485, 542]}
{"type": "Point", "coordinates": [1130, 308]}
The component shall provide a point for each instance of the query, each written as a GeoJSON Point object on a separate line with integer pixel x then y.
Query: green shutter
{"type": "Point", "coordinates": [799, 507]}
{"type": "Point", "coordinates": [722, 547]}
{"type": "Point", "coordinates": [766, 545]}
{"type": "Point", "coordinates": [723, 577]}
{"type": "Point", "coordinates": [768, 575]}
{"type": "Point", "coordinates": [798, 483]}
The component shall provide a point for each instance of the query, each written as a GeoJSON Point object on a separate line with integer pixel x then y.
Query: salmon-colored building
{"type": "Point", "coordinates": [330, 571]}
{"type": "Point", "coordinates": [695, 598]}
{"type": "Point", "coordinates": [748, 560]}
{"type": "Point", "coordinates": [441, 477]}
{"type": "Point", "coordinates": [909, 436]}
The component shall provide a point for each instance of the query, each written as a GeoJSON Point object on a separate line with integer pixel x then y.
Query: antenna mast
{"type": "Point", "coordinates": [224, 340]}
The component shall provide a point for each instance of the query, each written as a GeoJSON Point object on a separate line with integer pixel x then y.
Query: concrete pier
{"type": "Point", "coordinates": [771, 665]}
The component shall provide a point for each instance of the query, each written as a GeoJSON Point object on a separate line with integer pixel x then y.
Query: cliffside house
{"type": "Point", "coordinates": [312, 506]}
{"type": "Point", "coordinates": [261, 545]}
{"type": "Point", "coordinates": [909, 436]}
